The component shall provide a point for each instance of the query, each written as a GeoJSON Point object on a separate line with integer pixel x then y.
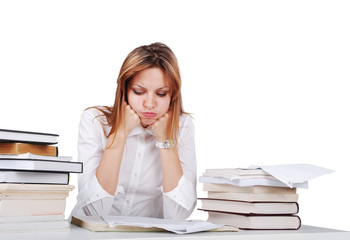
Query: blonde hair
{"type": "Point", "coordinates": [141, 58]}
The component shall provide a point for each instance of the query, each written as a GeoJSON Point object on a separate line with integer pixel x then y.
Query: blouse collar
{"type": "Point", "coordinates": [139, 130]}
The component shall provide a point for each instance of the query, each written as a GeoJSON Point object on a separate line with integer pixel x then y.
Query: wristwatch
{"type": "Point", "coordinates": [165, 145]}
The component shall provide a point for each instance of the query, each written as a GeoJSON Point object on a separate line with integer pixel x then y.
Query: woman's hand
{"type": "Point", "coordinates": [160, 127]}
{"type": "Point", "coordinates": [130, 121]}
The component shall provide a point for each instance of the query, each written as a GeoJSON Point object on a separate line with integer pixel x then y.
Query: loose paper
{"type": "Point", "coordinates": [293, 174]}
{"type": "Point", "coordinates": [175, 226]}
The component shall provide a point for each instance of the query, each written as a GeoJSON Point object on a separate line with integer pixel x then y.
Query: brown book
{"type": "Point", "coordinates": [256, 222]}
{"type": "Point", "coordinates": [20, 148]}
{"type": "Point", "coordinates": [245, 207]}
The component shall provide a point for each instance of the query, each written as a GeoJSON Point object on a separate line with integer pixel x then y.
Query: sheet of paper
{"type": "Point", "coordinates": [179, 227]}
{"type": "Point", "coordinates": [292, 174]}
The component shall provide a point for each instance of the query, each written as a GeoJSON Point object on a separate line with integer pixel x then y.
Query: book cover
{"type": "Point", "coordinates": [33, 177]}
{"type": "Point", "coordinates": [262, 197]}
{"type": "Point", "coordinates": [251, 222]}
{"type": "Point", "coordinates": [13, 164]}
{"type": "Point", "coordinates": [213, 187]}
{"type": "Point", "coordinates": [7, 135]}
{"type": "Point", "coordinates": [233, 173]}
{"type": "Point", "coordinates": [249, 207]}
{"type": "Point", "coordinates": [24, 206]}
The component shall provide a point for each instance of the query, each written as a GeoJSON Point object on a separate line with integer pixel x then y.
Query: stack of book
{"type": "Point", "coordinates": [34, 182]}
{"type": "Point", "coordinates": [255, 200]}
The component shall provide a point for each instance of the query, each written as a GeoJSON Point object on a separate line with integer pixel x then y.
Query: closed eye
{"type": "Point", "coordinates": [138, 92]}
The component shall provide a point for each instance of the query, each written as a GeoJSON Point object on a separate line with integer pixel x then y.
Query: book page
{"type": "Point", "coordinates": [175, 226]}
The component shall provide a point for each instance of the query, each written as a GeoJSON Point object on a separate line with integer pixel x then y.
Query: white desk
{"type": "Point", "coordinates": [305, 232]}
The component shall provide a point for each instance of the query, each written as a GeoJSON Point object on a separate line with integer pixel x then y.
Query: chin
{"type": "Point", "coordinates": [146, 122]}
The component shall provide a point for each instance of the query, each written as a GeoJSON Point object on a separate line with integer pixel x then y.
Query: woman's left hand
{"type": "Point", "coordinates": [160, 127]}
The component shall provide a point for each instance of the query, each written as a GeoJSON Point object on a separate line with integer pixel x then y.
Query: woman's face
{"type": "Point", "coordinates": [149, 95]}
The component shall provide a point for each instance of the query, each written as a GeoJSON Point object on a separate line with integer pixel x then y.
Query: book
{"type": "Point", "coordinates": [251, 197]}
{"type": "Point", "coordinates": [30, 207]}
{"type": "Point", "coordinates": [40, 165]}
{"type": "Point", "coordinates": [33, 177]}
{"type": "Point", "coordinates": [20, 148]}
{"type": "Point", "coordinates": [253, 222]}
{"type": "Point", "coordinates": [41, 218]}
{"type": "Point", "coordinates": [249, 208]}
{"type": "Point", "coordinates": [97, 224]}
{"type": "Point", "coordinates": [36, 157]}
{"type": "Point", "coordinates": [62, 225]}
{"type": "Point", "coordinates": [213, 187]}
{"type": "Point", "coordinates": [235, 173]}
{"type": "Point", "coordinates": [260, 181]}
{"type": "Point", "coordinates": [6, 189]}
{"type": "Point", "coordinates": [7, 135]}
{"type": "Point", "coordinates": [144, 224]}
{"type": "Point", "coordinates": [33, 199]}
{"type": "Point", "coordinates": [33, 223]}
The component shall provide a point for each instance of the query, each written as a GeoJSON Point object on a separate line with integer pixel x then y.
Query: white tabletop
{"type": "Point", "coordinates": [305, 232]}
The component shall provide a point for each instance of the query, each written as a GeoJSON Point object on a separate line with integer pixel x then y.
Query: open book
{"type": "Point", "coordinates": [145, 224]}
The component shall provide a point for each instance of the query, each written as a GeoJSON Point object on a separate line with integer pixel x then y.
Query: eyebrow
{"type": "Point", "coordinates": [162, 88]}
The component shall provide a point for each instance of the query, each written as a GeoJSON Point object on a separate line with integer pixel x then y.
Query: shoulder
{"type": "Point", "coordinates": [94, 120]}
{"type": "Point", "coordinates": [186, 121]}
{"type": "Point", "coordinates": [95, 115]}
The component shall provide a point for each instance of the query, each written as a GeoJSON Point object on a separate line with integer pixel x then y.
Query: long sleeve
{"type": "Point", "coordinates": [92, 198]}
{"type": "Point", "coordinates": [180, 202]}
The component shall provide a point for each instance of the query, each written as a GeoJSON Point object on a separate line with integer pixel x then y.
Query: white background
{"type": "Point", "coordinates": [267, 81]}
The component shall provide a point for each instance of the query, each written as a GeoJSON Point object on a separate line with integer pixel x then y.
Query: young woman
{"type": "Point", "coordinates": [139, 155]}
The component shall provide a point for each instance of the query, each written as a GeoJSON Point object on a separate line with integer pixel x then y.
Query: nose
{"type": "Point", "coordinates": [149, 102]}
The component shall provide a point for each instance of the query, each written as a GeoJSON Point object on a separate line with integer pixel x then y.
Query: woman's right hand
{"type": "Point", "coordinates": [130, 121]}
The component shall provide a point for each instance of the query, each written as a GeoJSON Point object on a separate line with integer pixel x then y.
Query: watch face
{"type": "Point", "coordinates": [165, 144]}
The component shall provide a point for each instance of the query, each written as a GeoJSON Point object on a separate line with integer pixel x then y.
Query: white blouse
{"type": "Point", "coordinates": [139, 191]}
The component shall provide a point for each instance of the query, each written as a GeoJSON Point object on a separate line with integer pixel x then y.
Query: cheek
{"type": "Point", "coordinates": [133, 102]}
{"type": "Point", "coordinates": [164, 105]}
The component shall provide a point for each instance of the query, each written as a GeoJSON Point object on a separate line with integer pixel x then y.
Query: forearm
{"type": "Point", "coordinates": [171, 168]}
{"type": "Point", "coordinates": [107, 172]}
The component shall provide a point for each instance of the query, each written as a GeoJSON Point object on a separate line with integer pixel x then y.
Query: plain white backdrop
{"type": "Point", "coordinates": [267, 82]}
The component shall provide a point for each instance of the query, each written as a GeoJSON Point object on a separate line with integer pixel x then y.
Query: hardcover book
{"type": "Point", "coordinates": [30, 162]}
{"type": "Point", "coordinates": [256, 222]}
{"type": "Point", "coordinates": [7, 135]}
{"type": "Point", "coordinates": [261, 197]}
{"type": "Point", "coordinates": [29, 177]}
{"type": "Point", "coordinates": [249, 208]}
{"type": "Point", "coordinates": [20, 148]}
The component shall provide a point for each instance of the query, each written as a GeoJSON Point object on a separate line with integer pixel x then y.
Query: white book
{"type": "Point", "coordinates": [234, 173]}
{"type": "Point", "coordinates": [251, 197]}
{"type": "Point", "coordinates": [250, 182]}
{"type": "Point", "coordinates": [7, 135]}
{"type": "Point", "coordinates": [48, 164]}
{"type": "Point", "coordinates": [34, 188]}
{"type": "Point", "coordinates": [60, 225]}
{"type": "Point", "coordinates": [38, 218]}
{"type": "Point", "coordinates": [213, 187]}
{"type": "Point", "coordinates": [36, 157]}
{"type": "Point", "coordinates": [29, 207]}
{"type": "Point", "coordinates": [33, 177]}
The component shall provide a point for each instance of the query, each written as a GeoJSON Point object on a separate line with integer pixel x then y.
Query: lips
{"type": "Point", "coordinates": [149, 114]}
